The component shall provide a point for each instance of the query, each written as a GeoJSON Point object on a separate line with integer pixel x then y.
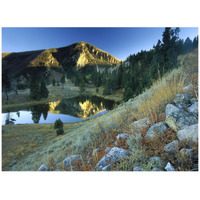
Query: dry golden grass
{"type": "Point", "coordinates": [162, 92]}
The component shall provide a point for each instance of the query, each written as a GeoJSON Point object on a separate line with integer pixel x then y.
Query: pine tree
{"type": "Point", "coordinates": [119, 76]}
{"type": "Point", "coordinates": [34, 89]}
{"type": "Point", "coordinates": [82, 86]}
{"type": "Point", "coordinates": [106, 90]}
{"type": "Point", "coordinates": [62, 80]}
{"type": "Point", "coordinates": [195, 42]}
{"type": "Point", "coordinates": [44, 93]}
{"type": "Point", "coordinates": [188, 46]}
{"type": "Point", "coordinates": [128, 94]}
{"type": "Point", "coordinates": [6, 84]}
{"type": "Point", "coordinates": [107, 87]}
{"type": "Point", "coordinates": [54, 82]}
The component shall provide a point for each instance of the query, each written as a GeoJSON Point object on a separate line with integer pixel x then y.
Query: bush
{"type": "Point", "coordinates": [59, 126]}
{"type": "Point", "coordinates": [60, 131]}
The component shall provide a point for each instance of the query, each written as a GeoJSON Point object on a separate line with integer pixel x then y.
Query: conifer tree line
{"type": "Point", "coordinates": [147, 66]}
{"type": "Point", "coordinates": [38, 91]}
{"type": "Point", "coordinates": [140, 70]}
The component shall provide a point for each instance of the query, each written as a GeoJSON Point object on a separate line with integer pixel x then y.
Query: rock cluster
{"type": "Point", "coordinates": [181, 117]}
{"type": "Point", "coordinates": [182, 113]}
{"type": "Point", "coordinates": [71, 162]}
{"type": "Point", "coordinates": [113, 156]}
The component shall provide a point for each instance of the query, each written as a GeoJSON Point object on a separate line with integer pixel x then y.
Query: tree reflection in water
{"type": "Point", "coordinates": [39, 110]}
{"type": "Point", "coordinates": [71, 110]}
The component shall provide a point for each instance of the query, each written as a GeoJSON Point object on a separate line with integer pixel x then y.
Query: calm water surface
{"type": "Point", "coordinates": [68, 110]}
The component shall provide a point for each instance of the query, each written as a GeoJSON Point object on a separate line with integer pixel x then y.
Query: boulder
{"type": "Point", "coordinates": [114, 156]}
{"type": "Point", "coordinates": [189, 133]}
{"type": "Point", "coordinates": [43, 167]}
{"type": "Point", "coordinates": [177, 118]}
{"type": "Point", "coordinates": [122, 136]}
{"type": "Point", "coordinates": [169, 167]}
{"type": "Point", "coordinates": [71, 162]}
{"type": "Point", "coordinates": [157, 162]}
{"type": "Point", "coordinates": [182, 100]}
{"type": "Point", "coordinates": [141, 125]}
{"type": "Point", "coordinates": [193, 109]}
{"type": "Point", "coordinates": [193, 100]}
{"type": "Point", "coordinates": [156, 169]}
{"type": "Point", "coordinates": [107, 168]}
{"type": "Point", "coordinates": [107, 149]}
{"type": "Point", "coordinates": [188, 89]}
{"type": "Point", "coordinates": [170, 109]}
{"type": "Point", "coordinates": [188, 153]}
{"type": "Point", "coordinates": [187, 121]}
{"type": "Point", "coordinates": [156, 130]}
{"type": "Point", "coordinates": [137, 168]}
{"type": "Point", "coordinates": [172, 147]}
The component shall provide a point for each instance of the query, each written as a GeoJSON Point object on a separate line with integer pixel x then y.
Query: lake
{"type": "Point", "coordinates": [68, 110]}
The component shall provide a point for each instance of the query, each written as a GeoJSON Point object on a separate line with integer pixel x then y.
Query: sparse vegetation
{"type": "Point", "coordinates": [162, 92]}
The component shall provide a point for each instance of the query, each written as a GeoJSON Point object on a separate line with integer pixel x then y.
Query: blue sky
{"type": "Point", "coordinates": [120, 42]}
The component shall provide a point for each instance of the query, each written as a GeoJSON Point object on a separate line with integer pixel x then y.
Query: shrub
{"type": "Point", "coordinates": [60, 131]}
{"type": "Point", "coordinates": [59, 126]}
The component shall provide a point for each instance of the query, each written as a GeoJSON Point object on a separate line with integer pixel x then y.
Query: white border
{"type": "Point", "coordinates": [90, 185]}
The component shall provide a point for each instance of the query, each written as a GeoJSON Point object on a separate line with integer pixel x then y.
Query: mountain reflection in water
{"type": "Point", "coordinates": [68, 110]}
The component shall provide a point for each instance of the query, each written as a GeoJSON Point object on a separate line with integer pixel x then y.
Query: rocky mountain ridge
{"type": "Point", "coordinates": [76, 56]}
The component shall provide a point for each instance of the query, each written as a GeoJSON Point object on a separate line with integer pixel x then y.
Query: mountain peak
{"type": "Point", "coordinates": [77, 55]}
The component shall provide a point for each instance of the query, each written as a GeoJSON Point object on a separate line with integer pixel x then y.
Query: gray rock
{"type": "Point", "coordinates": [114, 156]}
{"type": "Point", "coordinates": [140, 125]}
{"type": "Point", "coordinates": [157, 169]}
{"type": "Point", "coordinates": [183, 100]}
{"type": "Point", "coordinates": [70, 162]}
{"type": "Point", "coordinates": [189, 133]}
{"type": "Point", "coordinates": [156, 130]}
{"type": "Point", "coordinates": [107, 149]}
{"type": "Point", "coordinates": [137, 168]}
{"type": "Point", "coordinates": [43, 167]}
{"type": "Point", "coordinates": [156, 161]}
{"type": "Point", "coordinates": [170, 167]}
{"type": "Point", "coordinates": [172, 147]}
{"type": "Point", "coordinates": [187, 152]}
{"type": "Point", "coordinates": [13, 163]}
{"type": "Point", "coordinates": [193, 109]}
{"type": "Point", "coordinates": [177, 118]}
{"type": "Point", "coordinates": [122, 136]}
{"type": "Point", "coordinates": [95, 151]}
{"type": "Point", "coordinates": [188, 89]}
{"type": "Point", "coordinates": [187, 121]}
{"type": "Point", "coordinates": [193, 100]}
{"type": "Point", "coordinates": [107, 168]}
{"type": "Point", "coordinates": [170, 109]}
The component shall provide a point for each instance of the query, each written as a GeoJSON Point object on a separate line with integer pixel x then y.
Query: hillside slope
{"type": "Point", "coordinates": [101, 132]}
